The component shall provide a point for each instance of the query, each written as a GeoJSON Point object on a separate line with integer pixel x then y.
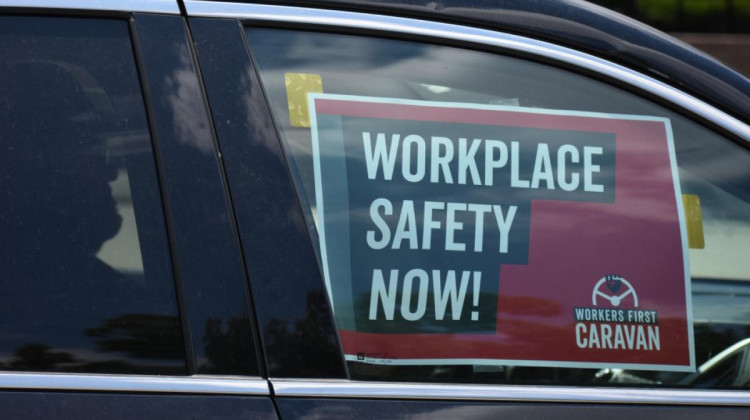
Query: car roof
{"type": "Point", "coordinates": [583, 26]}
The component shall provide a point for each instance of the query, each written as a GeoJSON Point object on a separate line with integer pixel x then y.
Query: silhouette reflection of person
{"type": "Point", "coordinates": [56, 211]}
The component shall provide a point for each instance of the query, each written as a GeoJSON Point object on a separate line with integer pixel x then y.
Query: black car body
{"type": "Point", "coordinates": [161, 252]}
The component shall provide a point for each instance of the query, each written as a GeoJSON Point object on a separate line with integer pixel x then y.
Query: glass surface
{"type": "Point", "coordinates": [212, 284]}
{"type": "Point", "coordinates": [288, 295]}
{"type": "Point", "coordinates": [709, 166]}
{"type": "Point", "coordinates": [84, 261]}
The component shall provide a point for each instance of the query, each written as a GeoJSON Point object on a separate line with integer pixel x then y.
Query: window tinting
{"type": "Point", "coordinates": [712, 171]}
{"type": "Point", "coordinates": [84, 262]}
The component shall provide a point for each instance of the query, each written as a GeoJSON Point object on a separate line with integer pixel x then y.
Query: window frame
{"type": "Point", "coordinates": [96, 7]}
{"type": "Point", "coordinates": [418, 30]}
{"type": "Point", "coordinates": [191, 384]}
{"type": "Point", "coordinates": [288, 17]}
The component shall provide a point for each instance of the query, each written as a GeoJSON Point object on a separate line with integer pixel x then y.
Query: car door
{"type": "Point", "coordinates": [615, 206]}
{"type": "Point", "coordinates": [124, 293]}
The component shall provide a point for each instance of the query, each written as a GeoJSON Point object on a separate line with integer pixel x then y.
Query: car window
{"type": "Point", "coordinates": [84, 261]}
{"type": "Point", "coordinates": [483, 218]}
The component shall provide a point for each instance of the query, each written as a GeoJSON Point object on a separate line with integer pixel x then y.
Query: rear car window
{"type": "Point", "coordinates": [84, 260]}
{"type": "Point", "coordinates": [482, 218]}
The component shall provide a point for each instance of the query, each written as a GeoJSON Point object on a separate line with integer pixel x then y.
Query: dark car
{"type": "Point", "coordinates": [345, 208]}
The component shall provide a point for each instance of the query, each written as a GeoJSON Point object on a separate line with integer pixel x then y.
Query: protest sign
{"type": "Point", "coordinates": [479, 234]}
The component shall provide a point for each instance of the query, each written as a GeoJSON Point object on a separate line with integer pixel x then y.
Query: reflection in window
{"type": "Point", "coordinates": [84, 264]}
{"type": "Point", "coordinates": [710, 167]}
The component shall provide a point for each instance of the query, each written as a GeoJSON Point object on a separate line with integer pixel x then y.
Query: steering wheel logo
{"type": "Point", "coordinates": [610, 287]}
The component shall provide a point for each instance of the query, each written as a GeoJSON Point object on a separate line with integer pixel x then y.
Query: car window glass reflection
{"type": "Point", "coordinates": [710, 167]}
{"type": "Point", "coordinates": [81, 291]}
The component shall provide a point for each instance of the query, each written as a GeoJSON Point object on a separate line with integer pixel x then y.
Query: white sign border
{"type": "Point", "coordinates": [311, 97]}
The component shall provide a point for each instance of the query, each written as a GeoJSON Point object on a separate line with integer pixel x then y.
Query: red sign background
{"type": "Point", "coordinates": [572, 246]}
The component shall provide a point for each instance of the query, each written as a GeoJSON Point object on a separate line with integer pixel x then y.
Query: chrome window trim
{"type": "Point", "coordinates": [508, 393]}
{"type": "Point", "coordinates": [198, 384]}
{"type": "Point", "coordinates": [307, 16]}
{"type": "Point", "coordinates": [148, 6]}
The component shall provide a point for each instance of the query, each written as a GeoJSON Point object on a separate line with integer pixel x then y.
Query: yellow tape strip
{"type": "Point", "coordinates": [693, 221]}
{"type": "Point", "coordinates": [298, 85]}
